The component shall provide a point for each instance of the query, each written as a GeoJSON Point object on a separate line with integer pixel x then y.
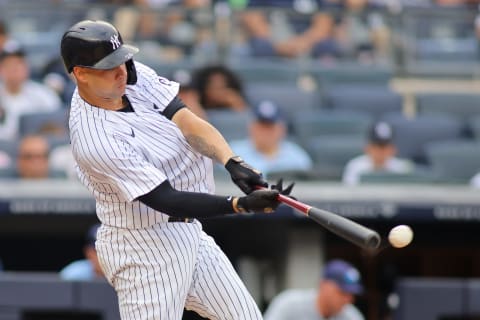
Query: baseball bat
{"type": "Point", "coordinates": [341, 226]}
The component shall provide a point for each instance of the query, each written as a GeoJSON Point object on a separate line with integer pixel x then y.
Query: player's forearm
{"type": "Point", "coordinates": [203, 137]}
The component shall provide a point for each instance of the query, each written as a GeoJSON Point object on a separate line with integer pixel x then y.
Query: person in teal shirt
{"type": "Point", "coordinates": [267, 148]}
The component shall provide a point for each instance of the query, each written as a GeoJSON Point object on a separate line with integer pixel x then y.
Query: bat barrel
{"type": "Point", "coordinates": [346, 228]}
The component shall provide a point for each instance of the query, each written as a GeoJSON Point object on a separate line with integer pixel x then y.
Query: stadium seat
{"type": "Point", "coordinates": [309, 124]}
{"type": "Point", "coordinates": [44, 122]}
{"type": "Point", "coordinates": [9, 147]}
{"type": "Point", "coordinates": [412, 135]}
{"type": "Point", "coordinates": [331, 153]}
{"type": "Point", "coordinates": [258, 70]}
{"type": "Point", "coordinates": [289, 98]}
{"type": "Point", "coordinates": [233, 125]}
{"type": "Point", "coordinates": [454, 161]}
{"type": "Point", "coordinates": [416, 177]}
{"type": "Point", "coordinates": [459, 105]}
{"type": "Point", "coordinates": [374, 99]}
{"type": "Point", "coordinates": [473, 124]}
{"type": "Point", "coordinates": [351, 73]}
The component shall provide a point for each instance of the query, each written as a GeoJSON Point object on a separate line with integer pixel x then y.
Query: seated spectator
{"type": "Point", "coordinates": [268, 38]}
{"type": "Point", "coordinates": [18, 94]}
{"type": "Point", "coordinates": [362, 34]}
{"type": "Point", "coordinates": [379, 155]}
{"type": "Point", "coordinates": [333, 299]}
{"type": "Point", "coordinates": [219, 88]}
{"type": "Point", "coordinates": [32, 158]}
{"type": "Point", "coordinates": [88, 268]}
{"type": "Point", "coordinates": [188, 93]}
{"type": "Point", "coordinates": [266, 147]}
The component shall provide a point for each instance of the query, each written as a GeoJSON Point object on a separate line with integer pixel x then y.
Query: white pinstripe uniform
{"type": "Point", "coordinates": [156, 267]}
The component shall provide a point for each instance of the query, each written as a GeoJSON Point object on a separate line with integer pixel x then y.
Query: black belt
{"type": "Point", "coordinates": [178, 219]}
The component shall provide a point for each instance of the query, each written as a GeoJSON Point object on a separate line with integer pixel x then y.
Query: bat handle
{"type": "Point", "coordinates": [290, 202]}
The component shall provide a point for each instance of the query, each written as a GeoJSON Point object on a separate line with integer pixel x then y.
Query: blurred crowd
{"type": "Point", "coordinates": [262, 126]}
{"type": "Point", "coordinates": [351, 133]}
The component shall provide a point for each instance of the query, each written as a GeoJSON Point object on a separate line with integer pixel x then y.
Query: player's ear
{"type": "Point", "coordinates": [79, 74]}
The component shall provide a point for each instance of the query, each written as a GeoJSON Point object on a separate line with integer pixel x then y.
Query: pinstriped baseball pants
{"type": "Point", "coordinates": [160, 270]}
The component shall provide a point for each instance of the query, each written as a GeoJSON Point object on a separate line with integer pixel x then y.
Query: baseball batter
{"type": "Point", "coordinates": [148, 161]}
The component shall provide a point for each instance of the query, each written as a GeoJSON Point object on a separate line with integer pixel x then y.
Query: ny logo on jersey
{"type": "Point", "coordinates": [115, 41]}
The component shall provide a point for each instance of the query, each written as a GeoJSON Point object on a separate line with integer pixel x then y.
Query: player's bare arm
{"type": "Point", "coordinates": [202, 136]}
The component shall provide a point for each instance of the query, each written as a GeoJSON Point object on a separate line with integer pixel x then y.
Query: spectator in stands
{"type": "Point", "coordinates": [279, 37]}
{"type": "Point", "coordinates": [18, 94]}
{"type": "Point", "coordinates": [379, 155]}
{"type": "Point", "coordinates": [219, 88]}
{"type": "Point", "coordinates": [361, 33]}
{"type": "Point", "coordinates": [187, 92]}
{"type": "Point", "coordinates": [266, 147]}
{"type": "Point", "coordinates": [333, 299]}
{"type": "Point", "coordinates": [88, 268]}
{"type": "Point", "coordinates": [32, 158]}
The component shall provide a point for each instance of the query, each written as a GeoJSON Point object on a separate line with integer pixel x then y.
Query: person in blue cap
{"type": "Point", "coordinates": [88, 268]}
{"type": "Point", "coordinates": [333, 299]}
{"type": "Point", "coordinates": [267, 147]}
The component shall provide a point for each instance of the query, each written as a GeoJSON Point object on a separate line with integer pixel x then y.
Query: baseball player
{"type": "Point", "coordinates": [148, 161]}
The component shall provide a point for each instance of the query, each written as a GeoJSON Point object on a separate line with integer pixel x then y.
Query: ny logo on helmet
{"type": "Point", "coordinates": [115, 41]}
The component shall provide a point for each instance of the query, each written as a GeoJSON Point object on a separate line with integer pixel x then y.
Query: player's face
{"type": "Point", "coordinates": [105, 84]}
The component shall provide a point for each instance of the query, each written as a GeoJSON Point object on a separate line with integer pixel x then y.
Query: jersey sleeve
{"type": "Point", "coordinates": [116, 168]}
{"type": "Point", "coordinates": [154, 88]}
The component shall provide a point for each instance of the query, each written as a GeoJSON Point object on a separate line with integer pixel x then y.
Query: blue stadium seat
{"type": "Point", "coordinates": [272, 70]}
{"type": "Point", "coordinates": [289, 98]}
{"type": "Point", "coordinates": [44, 122]}
{"type": "Point", "coordinates": [307, 125]}
{"type": "Point", "coordinates": [331, 153]}
{"type": "Point", "coordinates": [232, 125]}
{"type": "Point", "coordinates": [459, 105]}
{"type": "Point", "coordinates": [454, 161]}
{"type": "Point", "coordinates": [351, 73]}
{"type": "Point", "coordinates": [412, 135]}
{"type": "Point", "coordinates": [374, 99]}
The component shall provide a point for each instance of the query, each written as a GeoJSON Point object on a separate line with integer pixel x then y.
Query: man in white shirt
{"type": "Point", "coordinates": [379, 155]}
{"type": "Point", "coordinates": [332, 300]}
{"type": "Point", "coordinates": [266, 147]}
{"type": "Point", "coordinates": [18, 94]}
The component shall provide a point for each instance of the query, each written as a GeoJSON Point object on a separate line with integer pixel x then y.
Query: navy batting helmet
{"type": "Point", "coordinates": [97, 45]}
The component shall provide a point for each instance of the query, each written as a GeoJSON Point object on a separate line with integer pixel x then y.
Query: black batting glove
{"type": "Point", "coordinates": [286, 192]}
{"type": "Point", "coordinates": [244, 176]}
{"type": "Point", "coordinates": [259, 201]}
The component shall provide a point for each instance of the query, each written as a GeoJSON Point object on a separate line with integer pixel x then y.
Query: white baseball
{"type": "Point", "coordinates": [400, 236]}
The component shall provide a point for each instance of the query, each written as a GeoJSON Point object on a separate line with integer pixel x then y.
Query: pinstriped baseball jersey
{"type": "Point", "coordinates": [120, 158]}
{"type": "Point", "coordinates": [157, 267]}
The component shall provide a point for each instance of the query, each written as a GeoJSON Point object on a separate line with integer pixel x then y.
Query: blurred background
{"type": "Point", "coordinates": [371, 106]}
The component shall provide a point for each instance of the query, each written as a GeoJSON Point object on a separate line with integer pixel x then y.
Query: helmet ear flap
{"type": "Point", "coordinates": [131, 72]}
